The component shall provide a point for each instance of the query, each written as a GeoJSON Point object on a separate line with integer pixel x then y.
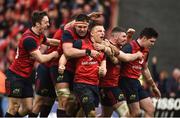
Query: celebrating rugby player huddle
{"type": "Point", "coordinates": [81, 69]}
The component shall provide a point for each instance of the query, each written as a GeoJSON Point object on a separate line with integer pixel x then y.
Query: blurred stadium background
{"type": "Point", "coordinates": [162, 15]}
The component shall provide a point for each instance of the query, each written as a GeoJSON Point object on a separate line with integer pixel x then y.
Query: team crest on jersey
{"type": "Point", "coordinates": [44, 91]}
{"type": "Point", "coordinates": [85, 99]}
{"type": "Point", "coordinates": [60, 77]}
{"type": "Point", "coordinates": [121, 96]}
{"type": "Point", "coordinates": [132, 97]}
{"type": "Point", "coordinates": [102, 93]}
{"type": "Point", "coordinates": [16, 92]}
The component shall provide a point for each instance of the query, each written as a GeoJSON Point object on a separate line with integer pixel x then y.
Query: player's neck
{"type": "Point", "coordinates": [92, 39]}
{"type": "Point", "coordinates": [35, 30]}
{"type": "Point", "coordinates": [140, 42]}
{"type": "Point", "coordinates": [113, 41]}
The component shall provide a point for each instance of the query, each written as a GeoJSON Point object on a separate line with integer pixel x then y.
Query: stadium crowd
{"type": "Point", "coordinates": [14, 21]}
{"type": "Point", "coordinates": [15, 16]}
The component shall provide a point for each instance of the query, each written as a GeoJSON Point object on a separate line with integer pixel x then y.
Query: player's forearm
{"type": "Point", "coordinates": [147, 75]}
{"type": "Point", "coordinates": [108, 51]}
{"type": "Point", "coordinates": [74, 53]}
{"type": "Point", "coordinates": [62, 60]}
{"type": "Point", "coordinates": [53, 42]}
{"type": "Point", "coordinates": [42, 58]}
{"type": "Point", "coordinates": [125, 57]}
{"type": "Point", "coordinates": [103, 64]}
{"type": "Point", "coordinates": [114, 49]}
{"type": "Point", "coordinates": [102, 69]}
{"type": "Point", "coordinates": [114, 60]}
{"type": "Point", "coordinates": [46, 57]}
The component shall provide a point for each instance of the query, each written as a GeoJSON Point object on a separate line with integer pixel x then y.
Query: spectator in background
{"type": "Point", "coordinates": [160, 78]}
{"type": "Point", "coordinates": [2, 90]}
{"type": "Point", "coordinates": [173, 83]}
{"type": "Point", "coordinates": [178, 91]}
{"type": "Point", "coordinates": [1, 112]}
{"type": "Point", "coordinates": [15, 14]}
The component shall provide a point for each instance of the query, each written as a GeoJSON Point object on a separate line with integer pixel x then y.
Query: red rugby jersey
{"type": "Point", "coordinates": [87, 67]}
{"type": "Point", "coordinates": [112, 76]}
{"type": "Point", "coordinates": [133, 69]}
{"type": "Point", "coordinates": [57, 35]}
{"type": "Point", "coordinates": [24, 62]}
{"type": "Point", "coordinates": [69, 36]}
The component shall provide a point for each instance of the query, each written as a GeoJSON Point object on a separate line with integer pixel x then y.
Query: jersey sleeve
{"type": "Point", "coordinates": [58, 34]}
{"type": "Point", "coordinates": [44, 39]}
{"type": "Point", "coordinates": [77, 44]}
{"type": "Point", "coordinates": [127, 48]}
{"type": "Point", "coordinates": [147, 57]}
{"type": "Point", "coordinates": [67, 37]}
{"type": "Point", "coordinates": [29, 44]}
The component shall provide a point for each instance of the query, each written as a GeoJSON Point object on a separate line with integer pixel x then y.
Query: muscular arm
{"type": "Point", "coordinates": [52, 42]}
{"type": "Point", "coordinates": [68, 47]}
{"type": "Point", "coordinates": [103, 47]}
{"type": "Point", "coordinates": [62, 63]}
{"type": "Point", "coordinates": [126, 57]}
{"type": "Point", "coordinates": [147, 75]}
{"type": "Point", "coordinates": [102, 69]}
{"type": "Point", "coordinates": [62, 60]}
{"type": "Point", "coordinates": [71, 52]}
{"type": "Point", "coordinates": [126, 54]}
{"type": "Point", "coordinates": [31, 46]}
{"type": "Point", "coordinates": [42, 58]}
{"type": "Point", "coordinates": [107, 50]}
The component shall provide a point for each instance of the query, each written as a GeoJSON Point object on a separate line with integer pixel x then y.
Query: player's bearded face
{"type": "Point", "coordinates": [121, 38]}
{"type": "Point", "coordinates": [81, 28]}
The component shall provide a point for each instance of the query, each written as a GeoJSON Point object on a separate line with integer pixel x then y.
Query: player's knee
{"type": "Point", "coordinates": [25, 110]}
{"type": "Point", "coordinates": [38, 102]}
{"type": "Point", "coordinates": [136, 113]}
{"type": "Point", "coordinates": [150, 111]}
{"type": "Point", "coordinates": [72, 105]}
{"type": "Point", "coordinates": [49, 101]}
{"type": "Point", "coordinates": [92, 113]}
{"type": "Point", "coordinates": [122, 109]}
{"type": "Point", "coordinates": [64, 92]}
{"type": "Point", "coordinates": [72, 98]}
{"type": "Point", "coordinates": [63, 95]}
{"type": "Point", "coordinates": [28, 109]}
{"type": "Point", "coordinates": [89, 108]}
{"type": "Point", "coordinates": [38, 105]}
{"type": "Point", "coordinates": [13, 108]}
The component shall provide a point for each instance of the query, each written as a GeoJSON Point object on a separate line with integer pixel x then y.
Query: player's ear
{"type": "Point", "coordinates": [92, 33]}
{"type": "Point", "coordinates": [37, 24]}
{"type": "Point", "coordinates": [144, 38]}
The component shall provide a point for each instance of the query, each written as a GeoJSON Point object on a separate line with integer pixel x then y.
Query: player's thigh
{"type": "Point", "coordinates": [27, 103]}
{"type": "Point", "coordinates": [38, 100]}
{"type": "Point", "coordinates": [134, 108]}
{"type": "Point", "coordinates": [62, 85]}
{"type": "Point", "coordinates": [107, 111]}
{"type": "Point", "coordinates": [14, 101]}
{"type": "Point", "coordinates": [43, 80]}
{"type": "Point", "coordinates": [65, 80]}
{"type": "Point", "coordinates": [147, 104]}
